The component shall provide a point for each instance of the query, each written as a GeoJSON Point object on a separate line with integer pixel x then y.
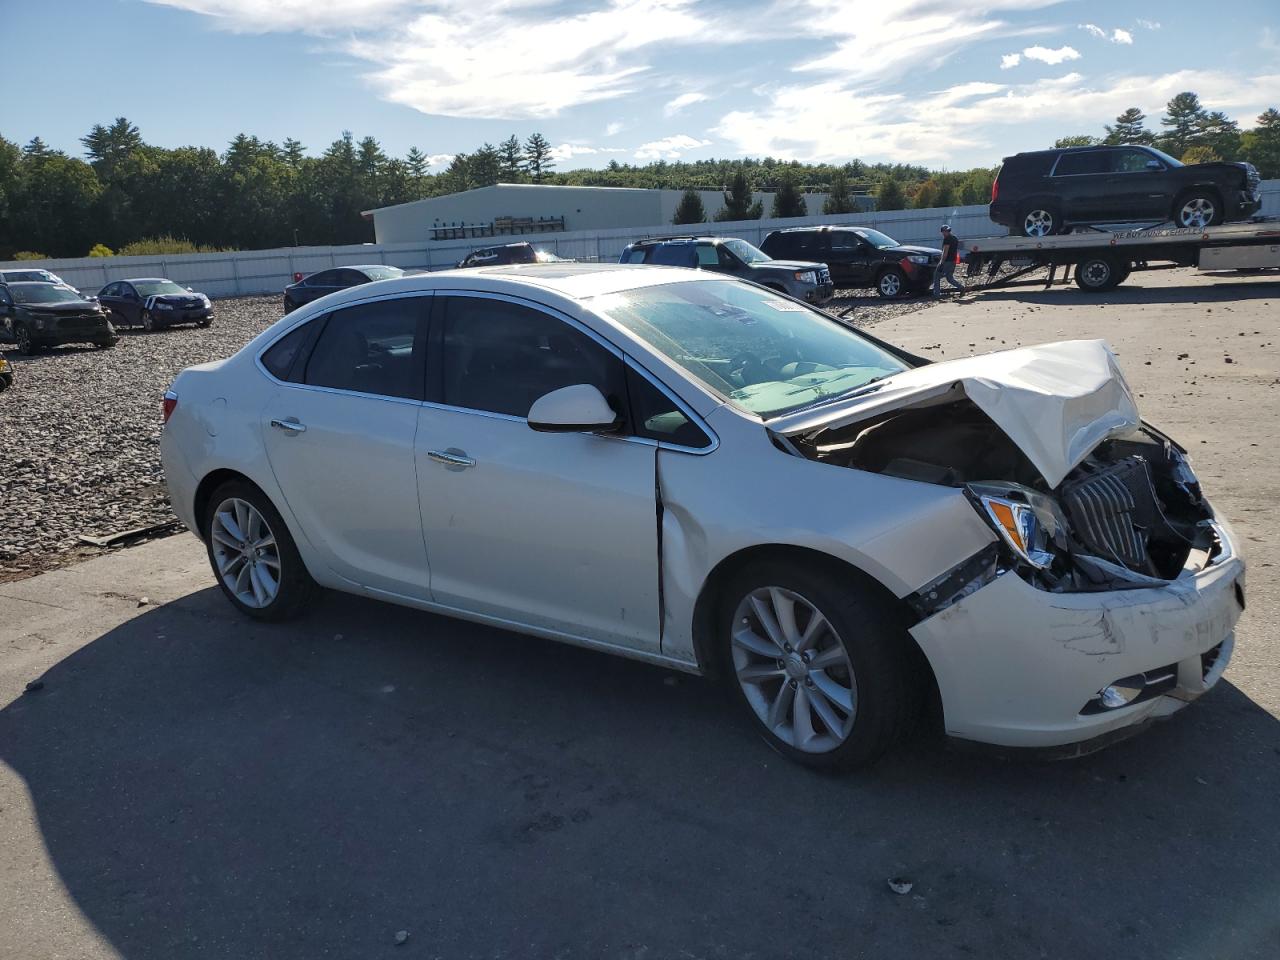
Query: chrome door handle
{"type": "Point", "coordinates": [450, 458]}
{"type": "Point", "coordinates": [289, 426]}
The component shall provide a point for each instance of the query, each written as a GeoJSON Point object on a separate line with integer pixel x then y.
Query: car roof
{"type": "Point", "coordinates": [824, 226]}
{"type": "Point", "coordinates": [36, 283]}
{"type": "Point", "coordinates": [651, 241]}
{"type": "Point", "coordinates": [146, 280]}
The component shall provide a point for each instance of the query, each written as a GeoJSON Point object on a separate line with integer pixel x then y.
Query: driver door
{"type": "Point", "coordinates": [553, 530]}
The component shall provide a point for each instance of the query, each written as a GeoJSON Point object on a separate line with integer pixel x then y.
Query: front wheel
{"type": "Point", "coordinates": [1197, 209]}
{"type": "Point", "coordinates": [891, 283]}
{"type": "Point", "coordinates": [203, 323]}
{"type": "Point", "coordinates": [26, 346]}
{"type": "Point", "coordinates": [148, 322]}
{"type": "Point", "coordinates": [822, 665]}
{"type": "Point", "coordinates": [253, 556]}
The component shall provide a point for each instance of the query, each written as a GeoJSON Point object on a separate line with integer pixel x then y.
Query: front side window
{"type": "Point", "coordinates": [110, 290]}
{"type": "Point", "coordinates": [500, 357]}
{"type": "Point", "coordinates": [1130, 161]}
{"type": "Point", "coordinates": [765, 353]}
{"type": "Point", "coordinates": [380, 273]}
{"type": "Point", "coordinates": [1075, 164]}
{"type": "Point", "coordinates": [881, 241]}
{"type": "Point", "coordinates": [745, 251]}
{"type": "Point", "coordinates": [325, 278]}
{"type": "Point", "coordinates": [350, 278]}
{"type": "Point", "coordinates": [371, 348]}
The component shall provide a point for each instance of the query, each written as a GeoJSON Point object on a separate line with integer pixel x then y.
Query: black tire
{"type": "Point", "coordinates": [202, 324]}
{"type": "Point", "coordinates": [105, 344]}
{"type": "Point", "coordinates": [1097, 274]}
{"type": "Point", "coordinates": [1198, 208]}
{"type": "Point", "coordinates": [1126, 268]}
{"type": "Point", "coordinates": [887, 673]}
{"type": "Point", "coordinates": [1039, 220]}
{"type": "Point", "coordinates": [148, 322]}
{"type": "Point", "coordinates": [296, 588]}
{"type": "Point", "coordinates": [26, 346]}
{"type": "Point", "coordinates": [891, 283]}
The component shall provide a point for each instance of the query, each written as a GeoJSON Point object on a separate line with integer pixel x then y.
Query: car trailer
{"type": "Point", "coordinates": [1103, 259]}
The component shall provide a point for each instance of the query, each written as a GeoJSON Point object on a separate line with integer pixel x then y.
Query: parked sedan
{"type": "Point", "coordinates": [305, 289]}
{"type": "Point", "coordinates": [155, 303]}
{"type": "Point", "coordinates": [702, 473]}
{"type": "Point", "coordinates": [37, 315]}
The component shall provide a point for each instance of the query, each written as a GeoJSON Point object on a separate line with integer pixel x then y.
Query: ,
{"type": "Point", "coordinates": [699, 472]}
{"type": "Point", "coordinates": [1044, 192]}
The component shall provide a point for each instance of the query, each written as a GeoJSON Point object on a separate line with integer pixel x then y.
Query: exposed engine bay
{"type": "Point", "coordinates": [1130, 514]}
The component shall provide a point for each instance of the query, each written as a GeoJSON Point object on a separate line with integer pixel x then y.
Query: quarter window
{"type": "Point", "coordinates": [279, 359]}
{"type": "Point", "coordinates": [500, 357]}
{"type": "Point", "coordinates": [371, 348]}
{"type": "Point", "coordinates": [658, 417]}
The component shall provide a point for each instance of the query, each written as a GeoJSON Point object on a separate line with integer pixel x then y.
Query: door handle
{"type": "Point", "coordinates": [451, 459]}
{"type": "Point", "coordinates": [289, 426]}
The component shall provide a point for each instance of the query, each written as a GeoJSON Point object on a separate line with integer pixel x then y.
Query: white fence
{"type": "Point", "coordinates": [268, 271]}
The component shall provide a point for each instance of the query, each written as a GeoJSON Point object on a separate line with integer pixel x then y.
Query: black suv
{"type": "Point", "coordinates": [1040, 193]}
{"type": "Point", "coordinates": [40, 315]}
{"type": "Point", "coordinates": [522, 252]}
{"type": "Point", "coordinates": [859, 257]}
{"type": "Point", "coordinates": [802, 279]}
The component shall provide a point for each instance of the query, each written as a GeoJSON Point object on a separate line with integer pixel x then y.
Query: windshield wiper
{"type": "Point", "coordinates": [870, 386]}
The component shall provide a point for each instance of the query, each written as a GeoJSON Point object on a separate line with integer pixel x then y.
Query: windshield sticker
{"type": "Point", "coordinates": [785, 306]}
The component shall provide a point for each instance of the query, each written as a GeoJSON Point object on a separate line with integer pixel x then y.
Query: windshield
{"type": "Point", "coordinates": [383, 273]}
{"type": "Point", "coordinates": [44, 293]}
{"type": "Point", "coordinates": [1166, 158]}
{"type": "Point", "coordinates": [158, 288]}
{"type": "Point", "coordinates": [762, 352]}
{"type": "Point", "coordinates": [39, 276]}
{"type": "Point", "coordinates": [745, 251]}
{"type": "Point", "coordinates": [881, 241]}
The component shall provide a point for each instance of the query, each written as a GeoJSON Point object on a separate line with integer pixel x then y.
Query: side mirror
{"type": "Point", "coordinates": [580, 408]}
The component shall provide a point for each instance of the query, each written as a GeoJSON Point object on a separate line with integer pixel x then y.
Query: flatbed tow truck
{"type": "Point", "coordinates": [1102, 259]}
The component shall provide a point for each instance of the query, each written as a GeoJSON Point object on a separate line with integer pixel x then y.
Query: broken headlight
{"type": "Point", "coordinates": [1026, 520]}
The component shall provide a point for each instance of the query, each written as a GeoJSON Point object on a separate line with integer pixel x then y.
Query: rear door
{"type": "Point", "coordinates": [1080, 180]}
{"type": "Point", "coordinates": [553, 530]}
{"type": "Point", "coordinates": [849, 259]}
{"type": "Point", "coordinates": [339, 434]}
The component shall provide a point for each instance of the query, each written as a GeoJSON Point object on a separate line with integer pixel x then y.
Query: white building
{"type": "Point", "coordinates": [523, 208]}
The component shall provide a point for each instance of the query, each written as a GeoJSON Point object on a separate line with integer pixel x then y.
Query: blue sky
{"type": "Point", "coordinates": [940, 82]}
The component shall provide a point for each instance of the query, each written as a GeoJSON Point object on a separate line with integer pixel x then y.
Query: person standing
{"type": "Point", "coordinates": [947, 265]}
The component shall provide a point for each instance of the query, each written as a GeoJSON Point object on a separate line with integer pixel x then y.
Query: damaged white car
{"type": "Point", "coordinates": [702, 473]}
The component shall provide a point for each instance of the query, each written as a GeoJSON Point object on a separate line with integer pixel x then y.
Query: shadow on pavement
{"type": "Point", "coordinates": [1223, 291]}
{"type": "Point", "coordinates": [208, 786]}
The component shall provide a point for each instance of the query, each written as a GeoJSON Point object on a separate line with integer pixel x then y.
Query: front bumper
{"type": "Point", "coordinates": [190, 315]}
{"type": "Point", "coordinates": [1016, 666]}
{"type": "Point", "coordinates": [52, 335]}
{"type": "Point", "coordinates": [1245, 205]}
{"type": "Point", "coordinates": [820, 294]}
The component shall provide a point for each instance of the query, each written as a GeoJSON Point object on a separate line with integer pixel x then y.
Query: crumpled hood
{"type": "Point", "coordinates": [1056, 401]}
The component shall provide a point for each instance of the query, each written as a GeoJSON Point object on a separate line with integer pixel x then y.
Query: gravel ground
{"type": "Point", "coordinates": [81, 430]}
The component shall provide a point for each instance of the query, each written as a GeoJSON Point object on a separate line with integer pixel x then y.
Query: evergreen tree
{"type": "Point", "coordinates": [1260, 146]}
{"type": "Point", "coordinates": [1200, 153]}
{"type": "Point", "coordinates": [1220, 134]}
{"type": "Point", "coordinates": [1129, 129]}
{"type": "Point", "coordinates": [36, 149]}
{"type": "Point", "coordinates": [788, 201]}
{"type": "Point", "coordinates": [838, 200]}
{"type": "Point", "coordinates": [889, 195]}
{"type": "Point", "coordinates": [292, 154]}
{"type": "Point", "coordinates": [690, 209]}
{"type": "Point", "coordinates": [416, 162]}
{"type": "Point", "coordinates": [511, 160]}
{"type": "Point", "coordinates": [537, 157]}
{"type": "Point", "coordinates": [1182, 119]}
{"type": "Point", "coordinates": [486, 166]}
{"type": "Point", "coordinates": [107, 147]}
{"type": "Point", "coordinates": [737, 201]}
{"type": "Point", "coordinates": [1077, 140]}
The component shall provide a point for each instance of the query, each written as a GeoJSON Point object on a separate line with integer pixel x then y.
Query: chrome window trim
{"type": "Point", "coordinates": [683, 407]}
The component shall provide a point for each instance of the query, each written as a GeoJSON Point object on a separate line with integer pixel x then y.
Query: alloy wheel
{"type": "Point", "coordinates": [147, 324]}
{"type": "Point", "coordinates": [1038, 223]}
{"type": "Point", "coordinates": [245, 553]}
{"type": "Point", "coordinates": [794, 669]}
{"type": "Point", "coordinates": [890, 285]}
{"type": "Point", "coordinates": [24, 340]}
{"type": "Point", "coordinates": [1197, 212]}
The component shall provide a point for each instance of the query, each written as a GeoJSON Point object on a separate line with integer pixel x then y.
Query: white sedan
{"type": "Point", "coordinates": [702, 473]}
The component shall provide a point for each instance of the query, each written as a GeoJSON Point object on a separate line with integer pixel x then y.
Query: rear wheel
{"type": "Point", "coordinates": [254, 558]}
{"type": "Point", "coordinates": [1198, 209]}
{"type": "Point", "coordinates": [1096, 274]}
{"type": "Point", "coordinates": [1039, 220]}
{"type": "Point", "coordinates": [822, 666]}
{"type": "Point", "coordinates": [891, 283]}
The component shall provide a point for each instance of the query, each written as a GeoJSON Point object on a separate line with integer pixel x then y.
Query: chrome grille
{"type": "Point", "coordinates": [824, 275]}
{"type": "Point", "coordinates": [1111, 510]}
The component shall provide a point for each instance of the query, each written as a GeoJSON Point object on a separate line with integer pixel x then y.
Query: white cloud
{"type": "Point", "coordinates": [311, 16]}
{"type": "Point", "coordinates": [669, 148]}
{"type": "Point", "coordinates": [1051, 57]}
{"type": "Point", "coordinates": [1121, 36]}
{"type": "Point", "coordinates": [684, 100]}
{"type": "Point", "coordinates": [1148, 24]}
{"type": "Point", "coordinates": [1094, 30]}
{"type": "Point", "coordinates": [1010, 60]}
{"type": "Point", "coordinates": [1117, 35]}
{"type": "Point", "coordinates": [567, 151]}
{"type": "Point", "coordinates": [439, 160]}
{"type": "Point", "coordinates": [613, 129]}
{"type": "Point", "coordinates": [833, 121]}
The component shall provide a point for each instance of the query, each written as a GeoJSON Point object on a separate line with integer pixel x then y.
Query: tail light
{"type": "Point", "coordinates": [170, 405]}
{"type": "Point", "coordinates": [297, 277]}
{"type": "Point", "coordinates": [995, 190]}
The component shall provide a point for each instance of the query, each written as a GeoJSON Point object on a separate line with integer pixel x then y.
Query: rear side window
{"type": "Point", "coordinates": [674, 255]}
{"type": "Point", "coordinates": [845, 241]}
{"type": "Point", "coordinates": [351, 278]}
{"type": "Point", "coordinates": [279, 359]}
{"type": "Point", "coordinates": [1075, 164]}
{"type": "Point", "coordinates": [325, 278]}
{"type": "Point", "coordinates": [371, 348]}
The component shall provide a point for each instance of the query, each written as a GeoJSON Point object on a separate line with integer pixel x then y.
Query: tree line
{"type": "Point", "coordinates": [127, 196]}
